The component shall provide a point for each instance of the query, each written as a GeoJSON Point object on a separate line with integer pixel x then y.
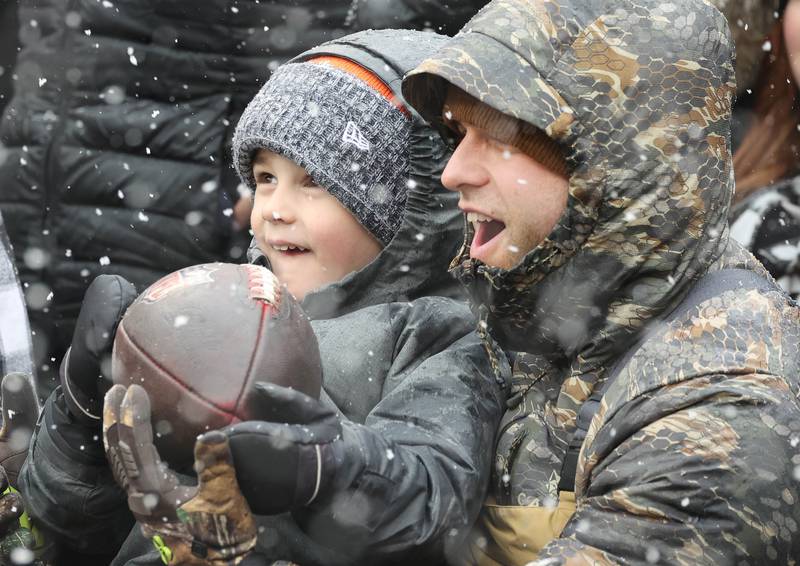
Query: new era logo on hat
{"type": "Point", "coordinates": [353, 136]}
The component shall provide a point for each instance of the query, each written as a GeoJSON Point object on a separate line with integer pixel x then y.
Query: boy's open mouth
{"type": "Point", "coordinates": [289, 249]}
{"type": "Point", "coordinates": [486, 229]}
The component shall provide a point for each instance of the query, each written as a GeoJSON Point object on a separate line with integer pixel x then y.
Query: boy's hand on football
{"type": "Point", "coordinates": [209, 523]}
{"type": "Point", "coordinates": [287, 458]}
{"type": "Point", "coordinates": [82, 376]}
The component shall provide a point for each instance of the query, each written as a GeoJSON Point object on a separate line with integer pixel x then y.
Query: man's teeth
{"type": "Point", "coordinates": [287, 248]}
{"type": "Point", "coordinates": [475, 217]}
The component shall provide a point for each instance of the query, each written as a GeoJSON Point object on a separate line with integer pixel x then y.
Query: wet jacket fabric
{"type": "Point", "coordinates": [767, 223]}
{"type": "Point", "coordinates": [114, 151]}
{"type": "Point", "coordinates": [401, 362]}
{"type": "Point", "coordinates": [690, 458]}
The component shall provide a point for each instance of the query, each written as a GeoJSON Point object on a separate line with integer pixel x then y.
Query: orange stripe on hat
{"type": "Point", "coordinates": [362, 73]}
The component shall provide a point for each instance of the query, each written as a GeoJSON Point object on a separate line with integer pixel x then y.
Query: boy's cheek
{"type": "Point", "coordinates": [242, 212]}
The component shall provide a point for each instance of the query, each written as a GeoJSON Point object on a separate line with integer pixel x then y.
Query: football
{"type": "Point", "coordinates": [199, 338]}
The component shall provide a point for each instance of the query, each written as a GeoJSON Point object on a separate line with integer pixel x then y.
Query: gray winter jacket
{"type": "Point", "coordinates": [401, 362]}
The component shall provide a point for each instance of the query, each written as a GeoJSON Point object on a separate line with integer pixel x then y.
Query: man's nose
{"type": "Point", "coordinates": [465, 168]}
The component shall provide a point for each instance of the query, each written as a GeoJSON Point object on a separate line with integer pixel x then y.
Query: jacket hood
{"type": "Point", "coordinates": [415, 262]}
{"type": "Point", "coordinates": [638, 94]}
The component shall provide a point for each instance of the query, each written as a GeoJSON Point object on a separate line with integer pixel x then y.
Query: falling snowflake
{"type": "Point", "coordinates": [194, 218]}
{"type": "Point", "coordinates": [21, 556]}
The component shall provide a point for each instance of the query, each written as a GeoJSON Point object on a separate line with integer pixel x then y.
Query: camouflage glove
{"type": "Point", "coordinates": [82, 377]}
{"type": "Point", "coordinates": [206, 524]}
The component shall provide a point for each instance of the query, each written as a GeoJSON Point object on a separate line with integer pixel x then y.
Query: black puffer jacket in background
{"type": "Point", "coordinates": [115, 157]}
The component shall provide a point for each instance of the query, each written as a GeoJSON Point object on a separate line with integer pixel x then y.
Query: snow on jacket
{"type": "Point", "coordinates": [399, 356]}
{"type": "Point", "coordinates": [691, 458]}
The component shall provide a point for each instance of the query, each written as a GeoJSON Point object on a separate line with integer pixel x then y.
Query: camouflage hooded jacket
{"type": "Point", "coordinates": [693, 455]}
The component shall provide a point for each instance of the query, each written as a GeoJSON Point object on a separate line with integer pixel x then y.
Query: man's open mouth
{"type": "Point", "coordinates": [486, 229]}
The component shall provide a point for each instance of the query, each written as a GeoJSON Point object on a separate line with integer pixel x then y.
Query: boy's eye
{"type": "Point", "coordinates": [311, 184]}
{"type": "Point", "coordinates": [266, 179]}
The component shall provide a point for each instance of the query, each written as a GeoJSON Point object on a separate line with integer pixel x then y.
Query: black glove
{"type": "Point", "coordinates": [82, 379]}
{"type": "Point", "coordinates": [288, 459]}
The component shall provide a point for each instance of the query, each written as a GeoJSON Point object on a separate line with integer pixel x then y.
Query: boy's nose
{"type": "Point", "coordinates": [463, 170]}
{"type": "Point", "coordinates": [279, 207]}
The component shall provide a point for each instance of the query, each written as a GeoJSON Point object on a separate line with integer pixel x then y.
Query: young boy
{"type": "Point", "coordinates": [349, 214]}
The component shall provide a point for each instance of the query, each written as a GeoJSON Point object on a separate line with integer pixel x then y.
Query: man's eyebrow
{"type": "Point", "coordinates": [450, 122]}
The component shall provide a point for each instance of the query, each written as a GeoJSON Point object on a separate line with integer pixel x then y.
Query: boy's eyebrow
{"type": "Point", "coordinates": [262, 158]}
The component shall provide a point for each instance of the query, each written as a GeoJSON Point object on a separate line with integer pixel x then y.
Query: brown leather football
{"type": "Point", "coordinates": [199, 338]}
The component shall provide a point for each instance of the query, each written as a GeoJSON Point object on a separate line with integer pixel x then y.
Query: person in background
{"type": "Point", "coordinates": [16, 352]}
{"type": "Point", "coordinates": [115, 147]}
{"type": "Point", "coordinates": [18, 400]}
{"type": "Point", "coordinates": [766, 215]}
{"type": "Point", "coordinates": [8, 50]}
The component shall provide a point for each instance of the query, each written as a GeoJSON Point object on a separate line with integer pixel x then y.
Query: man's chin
{"type": "Point", "coordinates": [501, 260]}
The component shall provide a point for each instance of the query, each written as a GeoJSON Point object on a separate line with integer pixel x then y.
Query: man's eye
{"type": "Point", "coordinates": [266, 179]}
{"type": "Point", "coordinates": [452, 138]}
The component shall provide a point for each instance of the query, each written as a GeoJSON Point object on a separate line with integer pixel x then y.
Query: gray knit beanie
{"type": "Point", "coordinates": [347, 134]}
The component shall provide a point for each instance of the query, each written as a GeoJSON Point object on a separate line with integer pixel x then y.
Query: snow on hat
{"type": "Point", "coordinates": [344, 126]}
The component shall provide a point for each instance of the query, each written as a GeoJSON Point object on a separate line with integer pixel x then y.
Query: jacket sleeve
{"type": "Point", "coordinates": [68, 488]}
{"type": "Point", "coordinates": [423, 455]}
{"type": "Point", "coordinates": [701, 472]}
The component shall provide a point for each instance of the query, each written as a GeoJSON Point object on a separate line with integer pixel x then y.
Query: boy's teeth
{"type": "Point", "coordinates": [475, 217]}
{"type": "Point", "coordinates": [287, 248]}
